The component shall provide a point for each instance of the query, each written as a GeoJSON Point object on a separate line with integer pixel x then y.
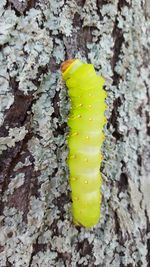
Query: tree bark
{"type": "Point", "coordinates": [36, 222]}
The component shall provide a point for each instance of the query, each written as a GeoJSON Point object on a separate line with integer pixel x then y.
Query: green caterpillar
{"type": "Point", "coordinates": [86, 121]}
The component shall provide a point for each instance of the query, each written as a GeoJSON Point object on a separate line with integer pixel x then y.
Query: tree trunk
{"type": "Point", "coordinates": [36, 222]}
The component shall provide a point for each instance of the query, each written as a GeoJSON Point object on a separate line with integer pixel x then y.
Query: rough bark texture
{"type": "Point", "coordinates": [36, 227]}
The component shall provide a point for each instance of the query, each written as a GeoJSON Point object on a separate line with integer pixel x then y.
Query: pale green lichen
{"type": "Point", "coordinates": [16, 183]}
{"type": "Point", "coordinates": [6, 96]}
{"type": "Point", "coordinates": [20, 164]}
{"type": "Point", "coordinates": [15, 135]}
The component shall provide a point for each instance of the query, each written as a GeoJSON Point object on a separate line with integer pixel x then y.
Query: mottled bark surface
{"type": "Point", "coordinates": [36, 223]}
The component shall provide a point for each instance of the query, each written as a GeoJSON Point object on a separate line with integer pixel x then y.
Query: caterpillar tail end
{"type": "Point", "coordinates": [87, 225]}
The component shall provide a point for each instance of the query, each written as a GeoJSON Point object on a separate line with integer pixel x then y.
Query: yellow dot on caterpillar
{"type": "Point", "coordinates": [79, 116]}
{"type": "Point", "coordinates": [90, 119]}
{"type": "Point", "coordinates": [73, 156]}
{"type": "Point", "coordinates": [80, 105]}
{"type": "Point", "coordinates": [101, 157]}
{"type": "Point", "coordinates": [74, 134]}
{"type": "Point", "coordinates": [87, 137]}
{"type": "Point", "coordinates": [103, 137]}
{"type": "Point", "coordinates": [74, 178]}
{"type": "Point", "coordinates": [86, 160]}
{"type": "Point", "coordinates": [86, 182]}
{"type": "Point", "coordinates": [90, 106]}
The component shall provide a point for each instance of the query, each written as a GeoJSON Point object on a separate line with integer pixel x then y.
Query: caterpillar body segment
{"type": "Point", "coordinates": [86, 121]}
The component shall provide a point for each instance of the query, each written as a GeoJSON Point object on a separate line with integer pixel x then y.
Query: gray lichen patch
{"type": "Point", "coordinates": [36, 221]}
{"type": "Point", "coordinates": [6, 96]}
{"type": "Point", "coordinates": [16, 183]}
{"type": "Point", "coordinates": [15, 135]}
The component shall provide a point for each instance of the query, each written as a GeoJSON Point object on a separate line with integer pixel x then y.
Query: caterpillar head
{"type": "Point", "coordinates": [69, 66]}
{"type": "Point", "coordinates": [66, 64]}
